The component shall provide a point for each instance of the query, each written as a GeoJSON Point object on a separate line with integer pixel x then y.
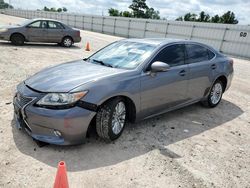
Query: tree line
{"type": "Point", "coordinates": [52, 9]}
{"type": "Point", "coordinates": [139, 9]}
{"type": "Point", "coordinates": [5, 5]}
{"type": "Point", "coordinates": [226, 18]}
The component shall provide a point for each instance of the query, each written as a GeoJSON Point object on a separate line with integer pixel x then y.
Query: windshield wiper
{"type": "Point", "coordinates": [102, 63]}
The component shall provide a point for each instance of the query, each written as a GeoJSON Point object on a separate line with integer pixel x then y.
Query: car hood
{"type": "Point", "coordinates": [9, 26]}
{"type": "Point", "coordinates": [67, 76]}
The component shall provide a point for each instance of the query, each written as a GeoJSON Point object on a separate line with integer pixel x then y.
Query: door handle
{"type": "Point", "coordinates": [182, 73]}
{"type": "Point", "coordinates": [213, 66]}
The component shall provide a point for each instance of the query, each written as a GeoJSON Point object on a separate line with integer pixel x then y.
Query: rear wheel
{"type": "Point", "coordinates": [111, 119]}
{"type": "Point", "coordinates": [215, 95]}
{"type": "Point", "coordinates": [17, 39]}
{"type": "Point", "coordinates": [67, 42]}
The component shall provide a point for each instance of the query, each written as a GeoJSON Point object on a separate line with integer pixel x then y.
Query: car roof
{"type": "Point", "coordinates": [155, 41]}
{"type": "Point", "coordinates": [46, 19]}
{"type": "Point", "coordinates": [164, 41]}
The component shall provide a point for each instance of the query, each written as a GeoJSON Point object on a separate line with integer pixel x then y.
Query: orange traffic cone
{"type": "Point", "coordinates": [61, 180]}
{"type": "Point", "coordinates": [87, 47]}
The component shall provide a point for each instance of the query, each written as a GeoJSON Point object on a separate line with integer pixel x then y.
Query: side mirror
{"type": "Point", "coordinates": [159, 66]}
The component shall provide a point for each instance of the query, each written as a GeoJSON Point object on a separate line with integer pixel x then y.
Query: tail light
{"type": "Point", "coordinates": [78, 33]}
{"type": "Point", "coordinates": [231, 62]}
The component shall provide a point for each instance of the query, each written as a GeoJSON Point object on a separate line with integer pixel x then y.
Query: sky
{"type": "Point", "coordinates": [169, 9]}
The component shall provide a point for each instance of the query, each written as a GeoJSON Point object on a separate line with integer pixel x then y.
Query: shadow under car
{"type": "Point", "coordinates": [137, 139]}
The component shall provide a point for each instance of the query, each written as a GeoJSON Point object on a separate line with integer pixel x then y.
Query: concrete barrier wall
{"type": "Point", "coordinates": [229, 39]}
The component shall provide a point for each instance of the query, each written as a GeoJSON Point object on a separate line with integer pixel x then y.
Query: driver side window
{"type": "Point", "coordinates": [38, 24]}
{"type": "Point", "coordinates": [173, 55]}
{"type": "Point", "coordinates": [35, 24]}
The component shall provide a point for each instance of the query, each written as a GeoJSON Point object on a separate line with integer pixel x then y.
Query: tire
{"type": "Point", "coordinates": [109, 125]}
{"type": "Point", "coordinates": [67, 42]}
{"type": "Point", "coordinates": [213, 98]}
{"type": "Point", "coordinates": [17, 39]}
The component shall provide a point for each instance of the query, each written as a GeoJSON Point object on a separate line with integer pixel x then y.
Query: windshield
{"type": "Point", "coordinates": [25, 22]}
{"type": "Point", "coordinates": [123, 54]}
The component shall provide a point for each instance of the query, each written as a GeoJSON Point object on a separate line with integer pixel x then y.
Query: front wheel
{"type": "Point", "coordinates": [215, 95]}
{"type": "Point", "coordinates": [17, 39]}
{"type": "Point", "coordinates": [67, 42]}
{"type": "Point", "coordinates": [111, 119]}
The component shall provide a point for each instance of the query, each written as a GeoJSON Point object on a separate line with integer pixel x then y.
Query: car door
{"type": "Point", "coordinates": [201, 67]}
{"type": "Point", "coordinates": [37, 31]}
{"type": "Point", "coordinates": [55, 31]}
{"type": "Point", "coordinates": [163, 90]}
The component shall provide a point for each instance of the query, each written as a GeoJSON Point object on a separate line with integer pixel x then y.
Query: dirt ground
{"type": "Point", "coordinates": [191, 147]}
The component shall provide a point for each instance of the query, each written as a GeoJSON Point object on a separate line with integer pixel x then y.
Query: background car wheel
{"type": "Point", "coordinates": [111, 119]}
{"type": "Point", "coordinates": [17, 39]}
{"type": "Point", "coordinates": [67, 42]}
{"type": "Point", "coordinates": [215, 95]}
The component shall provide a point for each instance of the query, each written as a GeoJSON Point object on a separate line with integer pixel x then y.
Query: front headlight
{"type": "Point", "coordinates": [2, 30]}
{"type": "Point", "coordinates": [61, 99]}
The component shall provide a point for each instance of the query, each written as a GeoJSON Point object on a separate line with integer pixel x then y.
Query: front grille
{"type": "Point", "coordinates": [25, 125]}
{"type": "Point", "coordinates": [22, 100]}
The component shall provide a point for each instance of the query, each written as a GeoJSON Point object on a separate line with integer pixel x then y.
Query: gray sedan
{"type": "Point", "coordinates": [127, 81]}
{"type": "Point", "coordinates": [40, 30]}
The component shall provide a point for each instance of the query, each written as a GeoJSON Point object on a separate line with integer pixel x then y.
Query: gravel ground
{"type": "Point", "coordinates": [190, 147]}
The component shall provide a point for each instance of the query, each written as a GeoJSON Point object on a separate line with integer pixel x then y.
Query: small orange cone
{"type": "Point", "coordinates": [87, 47]}
{"type": "Point", "coordinates": [61, 180]}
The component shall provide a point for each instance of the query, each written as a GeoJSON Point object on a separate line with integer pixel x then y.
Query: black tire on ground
{"type": "Point", "coordinates": [104, 119]}
{"type": "Point", "coordinates": [209, 102]}
{"type": "Point", "coordinates": [17, 39]}
{"type": "Point", "coordinates": [67, 42]}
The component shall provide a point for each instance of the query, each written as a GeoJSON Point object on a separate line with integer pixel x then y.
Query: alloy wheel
{"type": "Point", "coordinates": [216, 93]}
{"type": "Point", "coordinates": [118, 119]}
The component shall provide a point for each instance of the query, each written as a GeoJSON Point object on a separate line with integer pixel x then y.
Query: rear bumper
{"type": "Point", "coordinates": [229, 80]}
{"type": "Point", "coordinates": [60, 127]}
{"type": "Point", "coordinates": [77, 39]}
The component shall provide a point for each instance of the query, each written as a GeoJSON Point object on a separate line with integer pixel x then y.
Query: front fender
{"type": "Point", "coordinates": [104, 89]}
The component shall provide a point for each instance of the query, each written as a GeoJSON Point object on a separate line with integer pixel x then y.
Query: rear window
{"type": "Point", "coordinates": [196, 53]}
